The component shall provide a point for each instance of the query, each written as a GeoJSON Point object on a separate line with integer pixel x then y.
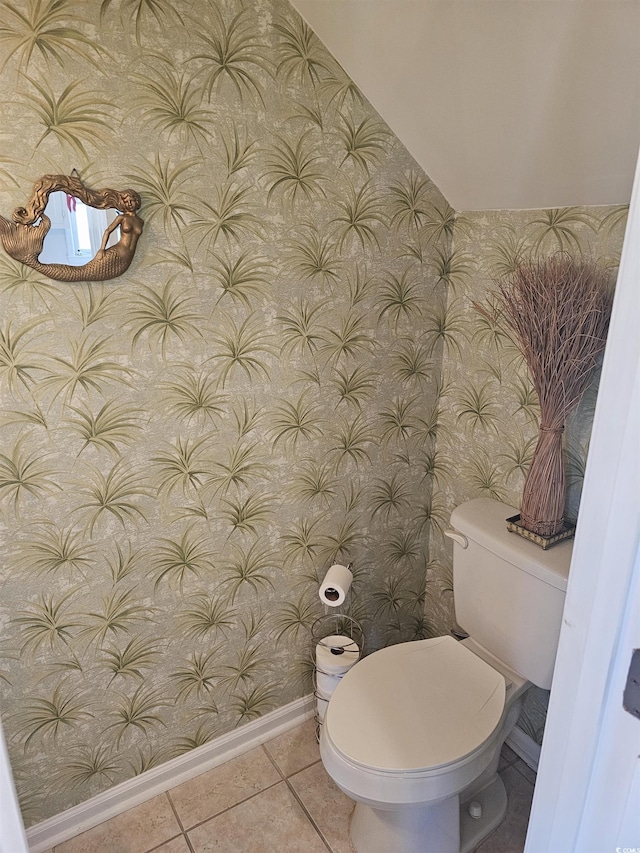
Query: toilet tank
{"type": "Point", "coordinates": [508, 592]}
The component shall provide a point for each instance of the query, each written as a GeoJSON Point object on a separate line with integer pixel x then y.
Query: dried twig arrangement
{"type": "Point", "coordinates": [557, 311]}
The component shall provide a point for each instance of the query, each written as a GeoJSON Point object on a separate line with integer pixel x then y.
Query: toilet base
{"type": "Point", "coordinates": [443, 827]}
{"type": "Point", "coordinates": [492, 799]}
{"type": "Point", "coordinates": [404, 829]}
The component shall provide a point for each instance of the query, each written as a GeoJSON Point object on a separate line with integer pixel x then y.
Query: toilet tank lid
{"type": "Point", "coordinates": [483, 520]}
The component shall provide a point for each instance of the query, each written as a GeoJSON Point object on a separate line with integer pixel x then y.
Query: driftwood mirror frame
{"type": "Point", "coordinates": [23, 237]}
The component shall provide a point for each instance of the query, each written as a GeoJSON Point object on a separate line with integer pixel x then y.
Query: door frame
{"type": "Point", "coordinates": [604, 574]}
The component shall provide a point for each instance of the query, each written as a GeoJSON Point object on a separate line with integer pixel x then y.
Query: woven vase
{"type": "Point", "coordinates": [543, 498]}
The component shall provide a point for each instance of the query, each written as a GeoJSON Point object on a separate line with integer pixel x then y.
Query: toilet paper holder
{"type": "Point", "coordinates": [342, 636]}
{"type": "Point", "coordinates": [337, 623]}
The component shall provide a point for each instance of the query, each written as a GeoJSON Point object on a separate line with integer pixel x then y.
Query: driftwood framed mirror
{"type": "Point", "coordinates": [69, 232]}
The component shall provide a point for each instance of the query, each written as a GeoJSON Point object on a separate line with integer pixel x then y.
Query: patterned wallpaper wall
{"type": "Point", "coordinates": [185, 450]}
{"type": "Point", "coordinates": [488, 411]}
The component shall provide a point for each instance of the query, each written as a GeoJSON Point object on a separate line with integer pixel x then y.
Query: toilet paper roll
{"type": "Point", "coordinates": [336, 654]}
{"type": "Point", "coordinates": [326, 684]}
{"type": "Point", "coordinates": [335, 586]}
{"type": "Point", "coordinates": [321, 705]}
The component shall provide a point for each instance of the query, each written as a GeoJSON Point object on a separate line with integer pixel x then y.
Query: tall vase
{"type": "Point", "coordinates": [543, 499]}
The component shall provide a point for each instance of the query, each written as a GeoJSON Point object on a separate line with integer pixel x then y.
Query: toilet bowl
{"type": "Point", "coordinates": [409, 733]}
{"type": "Point", "coordinates": [413, 732]}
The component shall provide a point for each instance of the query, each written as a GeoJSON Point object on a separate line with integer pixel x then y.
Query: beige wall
{"type": "Point", "coordinates": [507, 105]}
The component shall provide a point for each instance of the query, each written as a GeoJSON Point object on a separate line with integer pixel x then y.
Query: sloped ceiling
{"type": "Point", "coordinates": [506, 104]}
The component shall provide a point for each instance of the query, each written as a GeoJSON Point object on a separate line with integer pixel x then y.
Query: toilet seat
{"type": "Point", "coordinates": [415, 709]}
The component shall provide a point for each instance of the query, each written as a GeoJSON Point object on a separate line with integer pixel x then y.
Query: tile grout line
{"type": "Point", "coordinates": [230, 808]}
{"type": "Point", "coordinates": [263, 746]}
{"type": "Point", "coordinates": [282, 778]}
{"type": "Point", "coordinates": [518, 770]}
{"type": "Point", "coordinates": [297, 798]}
{"type": "Point", "coordinates": [162, 843]}
{"type": "Point", "coordinates": [308, 815]}
{"type": "Point", "coordinates": [282, 772]}
{"type": "Point", "coordinates": [507, 762]}
{"type": "Point", "coordinates": [174, 810]}
{"type": "Point", "coordinates": [180, 824]}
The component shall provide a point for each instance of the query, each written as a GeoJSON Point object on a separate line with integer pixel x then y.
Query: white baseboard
{"type": "Point", "coordinates": [525, 747]}
{"type": "Point", "coordinates": [45, 835]}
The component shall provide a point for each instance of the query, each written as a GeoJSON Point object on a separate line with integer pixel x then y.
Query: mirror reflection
{"type": "Point", "coordinates": [76, 230]}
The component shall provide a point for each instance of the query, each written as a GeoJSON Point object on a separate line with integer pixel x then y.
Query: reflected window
{"type": "Point", "coordinates": [76, 230]}
{"type": "Point", "coordinates": [82, 228]}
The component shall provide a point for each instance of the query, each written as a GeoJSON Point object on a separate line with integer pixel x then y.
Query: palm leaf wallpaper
{"type": "Point", "coordinates": [290, 373]}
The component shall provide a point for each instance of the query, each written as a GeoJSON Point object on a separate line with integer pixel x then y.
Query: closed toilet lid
{"type": "Point", "coordinates": [415, 705]}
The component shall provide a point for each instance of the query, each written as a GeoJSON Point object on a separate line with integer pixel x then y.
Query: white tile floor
{"type": "Point", "coordinates": [274, 799]}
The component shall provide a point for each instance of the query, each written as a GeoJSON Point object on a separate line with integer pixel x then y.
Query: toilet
{"type": "Point", "coordinates": [413, 732]}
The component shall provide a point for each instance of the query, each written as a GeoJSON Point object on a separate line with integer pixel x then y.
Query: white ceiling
{"type": "Point", "coordinates": [506, 104]}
